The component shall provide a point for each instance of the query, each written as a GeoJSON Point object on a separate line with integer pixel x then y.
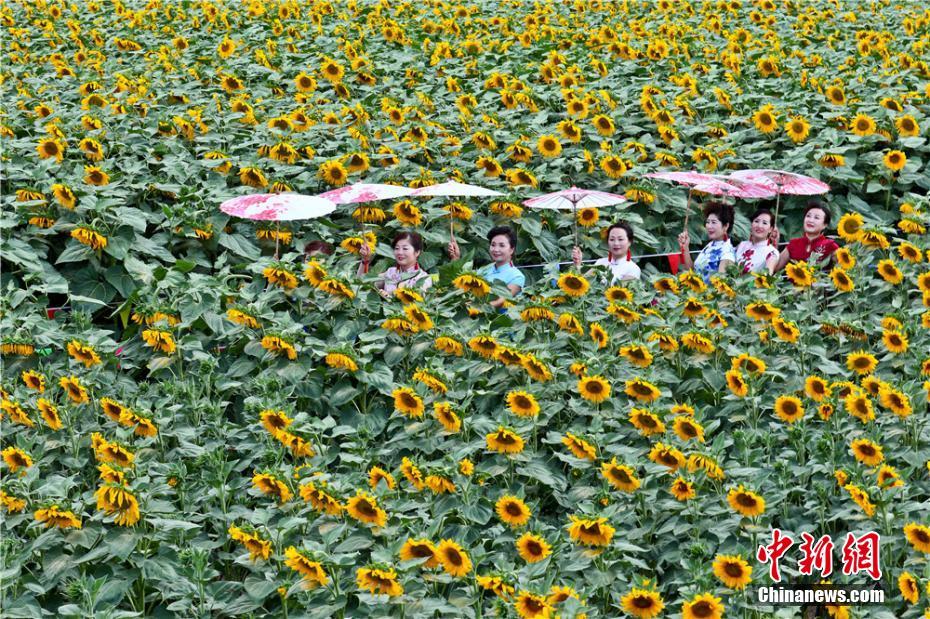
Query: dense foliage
{"type": "Point", "coordinates": [208, 430]}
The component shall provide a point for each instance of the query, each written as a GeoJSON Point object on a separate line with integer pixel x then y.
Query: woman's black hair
{"type": "Point", "coordinates": [318, 246]}
{"type": "Point", "coordinates": [817, 204]}
{"type": "Point", "coordinates": [505, 231]}
{"type": "Point", "coordinates": [623, 226]}
{"type": "Point", "coordinates": [762, 211]}
{"type": "Point", "coordinates": [412, 237]}
{"type": "Point", "coordinates": [723, 211]}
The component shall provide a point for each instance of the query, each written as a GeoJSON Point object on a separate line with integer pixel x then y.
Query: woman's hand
{"type": "Point", "coordinates": [453, 250]}
{"type": "Point", "coordinates": [365, 252]}
{"type": "Point", "coordinates": [684, 241]}
{"type": "Point", "coordinates": [774, 236]}
{"type": "Point", "coordinates": [576, 257]}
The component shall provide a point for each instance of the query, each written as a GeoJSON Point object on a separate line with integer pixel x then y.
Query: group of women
{"type": "Point", "coordinates": [758, 254]}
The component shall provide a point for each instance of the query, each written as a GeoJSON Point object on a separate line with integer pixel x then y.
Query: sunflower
{"type": "Point", "coordinates": [64, 195]}
{"type": "Point", "coordinates": [688, 429]}
{"type": "Point", "coordinates": [703, 606]}
{"type": "Point", "coordinates": [512, 511]}
{"type": "Point", "coordinates": [897, 402]}
{"type": "Point", "coordinates": [895, 160]}
{"type": "Point", "coordinates": [863, 124]}
{"type": "Point", "coordinates": [861, 362]}
{"type": "Point", "coordinates": [642, 603]}
{"type": "Point", "coordinates": [484, 345]}
{"type": "Point", "coordinates": [667, 342]}
{"type": "Point", "coordinates": [336, 287]}
{"type": "Point", "coordinates": [620, 476]}
{"type": "Point", "coordinates": [506, 209]}
{"type": "Point", "coordinates": [472, 283]}
{"type": "Point", "coordinates": [419, 549]}
{"type": "Point", "coordinates": [529, 606]}
{"type": "Point", "coordinates": [569, 323]}
{"type": "Point", "coordinates": [379, 580]}
{"type": "Point", "coordinates": [53, 516]}
{"type": "Point", "coordinates": [910, 252]}
{"type": "Point", "coordinates": [831, 160]}
{"type": "Point", "coordinates": [637, 355]}
{"type": "Point", "coordinates": [570, 131]}
{"type": "Point", "coordinates": [907, 126]}
{"type": "Point", "coordinates": [587, 216]}
{"type": "Point", "coordinates": [376, 475]}
{"type": "Point", "coordinates": [341, 361]}
{"type": "Point", "coordinates": [667, 456]}
{"type": "Point", "coordinates": [733, 571]}
{"type": "Point", "coordinates": [895, 341]}
{"type": "Point", "coordinates": [762, 311]}
{"type": "Point", "coordinates": [548, 146]}
{"type": "Point", "coordinates": [364, 508]}
{"type": "Point", "coordinates": [407, 402]}
{"type": "Point", "coordinates": [407, 213]}
{"type": "Point", "coordinates": [522, 404]}
{"type": "Point", "coordinates": [537, 370]}
{"type": "Point", "coordinates": [797, 129]}
{"type": "Point", "coordinates": [258, 548]}
{"type": "Point", "coordinates": [443, 413]}
{"type": "Point", "coordinates": [270, 485]}
{"type": "Point", "coordinates": [453, 558]}
{"type": "Point", "coordinates": [16, 459]}
{"type": "Point", "coordinates": [682, 489]}
{"type": "Point", "coordinates": [861, 498]}
{"type": "Point", "coordinates": [746, 502]}
{"type": "Point", "coordinates": [579, 447]}
{"type": "Point", "coordinates": [789, 408]}
{"type": "Point", "coordinates": [918, 536]}
{"type": "Point", "coordinates": [908, 587]}
{"type": "Point", "coordinates": [11, 503]}
{"type": "Point", "coordinates": [598, 334]}
{"type": "Point", "coordinates": [835, 95]}
{"type": "Point", "coordinates": [74, 389]}
{"type": "Point", "coordinates": [51, 148]}
{"type": "Point", "coordinates": [800, 274]}
{"type": "Point", "coordinates": [573, 284]}
{"type": "Point", "coordinates": [867, 452]}
{"type": "Point", "coordinates": [642, 390]}
{"type": "Point", "coordinates": [34, 380]}
{"type": "Point", "coordinates": [533, 548]}
{"type": "Point", "coordinates": [787, 331]}
{"type": "Point", "coordinates": [765, 120]}
{"type": "Point", "coordinates": [613, 166]}
{"type": "Point", "coordinates": [595, 389]}
{"type": "Point", "coordinates": [333, 173]}
{"type": "Point", "coordinates": [49, 413]}
{"type": "Point", "coordinates": [647, 423]}
{"type": "Point", "coordinates": [841, 280]}
{"type": "Point", "coordinates": [504, 441]}
{"type": "Point", "coordinates": [312, 571]}
{"type": "Point", "coordinates": [590, 532]}
{"type": "Point", "coordinates": [816, 388]}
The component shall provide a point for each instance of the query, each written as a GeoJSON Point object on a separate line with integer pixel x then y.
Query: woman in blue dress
{"type": "Point", "coordinates": [502, 247]}
{"type": "Point", "coordinates": [718, 254]}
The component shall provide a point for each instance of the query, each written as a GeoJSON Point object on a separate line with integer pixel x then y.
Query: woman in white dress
{"type": "Point", "coordinates": [619, 241]}
{"type": "Point", "coordinates": [759, 254]}
{"type": "Point", "coordinates": [406, 272]}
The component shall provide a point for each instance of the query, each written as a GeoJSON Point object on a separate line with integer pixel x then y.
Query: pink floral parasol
{"type": "Point", "coordinates": [454, 189]}
{"type": "Point", "coordinates": [783, 182]}
{"type": "Point", "coordinates": [574, 198]}
{"type": "Point", "coordinates": [277, 207]}
{"type": "Point", "coordinates": [365, 192]}
{"type": "Point", "coordinates": [715, 185]}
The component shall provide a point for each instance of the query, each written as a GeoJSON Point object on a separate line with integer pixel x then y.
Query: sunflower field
{"type": "Point", "coordinates": [194, 425]}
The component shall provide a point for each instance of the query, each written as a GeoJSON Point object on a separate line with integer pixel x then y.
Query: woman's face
{"type": "Point", "coordinates": [715, 229]}
{"type": "Point", "coordinates": [405, 254]}
{"type": "Point", "coordinates": [500, 249]}
{"type": "Point", "coordinates": [815, 221]}
{"type": "Point", "coordinates": [617, 242]}
{"type": "Point", "coordinates": [761, 227]}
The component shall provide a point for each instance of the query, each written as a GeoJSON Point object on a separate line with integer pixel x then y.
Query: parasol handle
{"type": "Point", "coordinates": [277, 237]}
{"type": "Point", "coordinates": [777, 204]}
{"type": "Point", "coordinates": [575, 221]}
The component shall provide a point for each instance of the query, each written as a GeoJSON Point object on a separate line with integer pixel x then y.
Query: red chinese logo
{"type": "Point", "coordinates": [859, 554]}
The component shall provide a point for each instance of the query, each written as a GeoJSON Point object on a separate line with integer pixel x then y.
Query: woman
{"type": "Point", "coordinates": [718, 254]}
{"type": "Point", "coordinates": [502, 247]}
{"type": "Point", "coordinates": [758, 254]}
{"type": "Point", "coordinates": [813, 242]}
{"type": "Point", "coordinates": [406, 272]}
{"type": "Point", "coordinates": [619, 241]}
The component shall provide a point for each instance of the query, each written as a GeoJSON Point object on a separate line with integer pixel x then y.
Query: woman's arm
{"type": "Point", "coordinates": [782, 260]}
{"type": "Point", "coordinates": [724, 264]}
{"type": "Point", "coordinates": [684, 244]}
{"type": "Point", "coordinates": [499, 301]}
